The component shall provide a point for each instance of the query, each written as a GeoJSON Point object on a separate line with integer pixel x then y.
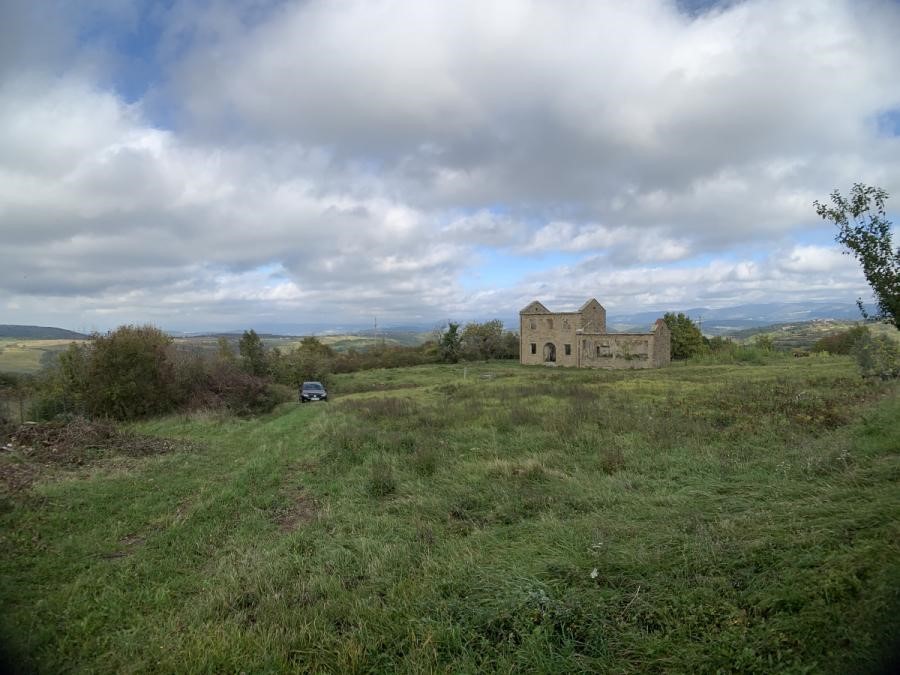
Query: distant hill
{"type": "Point", "coordinates": [804, 334]}
{"type": "Point", "coordinates": [727, 320]}
{"type": "Point", "coordinates": [39, 333]}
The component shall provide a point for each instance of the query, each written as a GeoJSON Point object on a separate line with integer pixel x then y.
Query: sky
{"type": "Point", "coordinates": [203, 164]}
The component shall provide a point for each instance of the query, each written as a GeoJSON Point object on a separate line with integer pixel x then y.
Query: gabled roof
{"type": "Point", "coordinates": [535, 307]}
{"type": "Point", "coordinates": [592, 301]}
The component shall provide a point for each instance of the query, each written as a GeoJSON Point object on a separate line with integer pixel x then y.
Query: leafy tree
{"type": "Point", "coordinates": [864, 229]}
{"type": "Point", "coordinates": [482, 340]}
{"type": "Point", "coordinates": [253, 353]}
{"type": "Point", "coordinates": [509, 346]}
{"type": "Point", "coordinates": [687, 340]}
{"type": "Point", "coordinates": [450, 343]}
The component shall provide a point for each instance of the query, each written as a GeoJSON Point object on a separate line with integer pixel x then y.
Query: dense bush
{"type": "Point", "coordinates": [224, 386]}
{"type": "Point", "coordinates": [129, 374]}
{"type": "Point", "coordinates": [136, 371]}
{"type": "Point", "coordinates": [877, 356]}
{"type": "Point", "coordinates": [840, 343]}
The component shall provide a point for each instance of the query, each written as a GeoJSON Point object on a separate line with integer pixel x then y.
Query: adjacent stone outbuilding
{"type": "Point", "coordinates": [579, 339]}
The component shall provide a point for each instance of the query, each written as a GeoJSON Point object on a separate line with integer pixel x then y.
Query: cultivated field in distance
{"type": "Point", "coordinates": [29, 356]}
{"type": "Point", "coordinates": [470, 518]}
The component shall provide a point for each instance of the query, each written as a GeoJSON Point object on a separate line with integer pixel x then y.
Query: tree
{"type": "Point", "coordinates": [253, 353]}
{"type": "Point", "coordinates": [482, 340]}
{"type": "Point", "coordinates": [450, 343]}
{"type": "Point", "coordinates": [687, 340]}
{"type": "Point", "coordinates": [864, 229]}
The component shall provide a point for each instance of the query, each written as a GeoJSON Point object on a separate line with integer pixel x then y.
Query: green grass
{"type": "Point", "coordinates": [804, 334]}
{"type": "Point", "coordinates": [28, 356]}
{"type": "Point", "coordinates": [691, 519]}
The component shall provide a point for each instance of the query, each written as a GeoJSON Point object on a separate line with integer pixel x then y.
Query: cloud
{"type": "Point", "coordinates": [343, 159]}
{"type": "Point", "coordinates": [796, 274]}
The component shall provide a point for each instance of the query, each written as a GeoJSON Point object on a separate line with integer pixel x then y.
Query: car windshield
{"type": "Point", "coordinates": [312, 385]}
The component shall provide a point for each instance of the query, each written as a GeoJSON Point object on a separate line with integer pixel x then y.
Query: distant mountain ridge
{"type": "Point", "coordinates": [740, 317]}
{"type": "Point", "coordinates": [39, 333]}
{"type": "Point", "coordinates": [713, 321]}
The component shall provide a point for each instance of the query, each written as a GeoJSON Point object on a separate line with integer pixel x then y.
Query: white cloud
{"type": "Point", "coordinates": [370, 151]}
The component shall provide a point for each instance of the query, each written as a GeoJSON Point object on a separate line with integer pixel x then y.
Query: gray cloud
{"type": "Point", "coordinates": [367, 151]}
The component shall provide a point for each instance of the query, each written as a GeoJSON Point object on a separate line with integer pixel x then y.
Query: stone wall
{"type": "Point", "coordinates": [556, 329]}
{"type": "Point", "coordinates": [579, 339]}
{"type": "Point", "coordinates": [617, 350]}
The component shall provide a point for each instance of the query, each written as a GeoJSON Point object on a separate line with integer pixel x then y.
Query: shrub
{"type": "Point", "coordinates": [127, 373]}
{"type": "Point", "coordinates": [877, 356]}
{"type": "Point", "coordinates": [135, 372]}
{"type": "Point", "coordinates": [227, 386]}
{"type": "Point", "coordinates": [840, 343]}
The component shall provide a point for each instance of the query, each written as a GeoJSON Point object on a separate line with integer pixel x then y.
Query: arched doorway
{"type": "Point", "coordinates": [549, 353]}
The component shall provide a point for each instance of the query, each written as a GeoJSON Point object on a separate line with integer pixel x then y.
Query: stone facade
{"type": "Point", "coordinates": [579, 339]}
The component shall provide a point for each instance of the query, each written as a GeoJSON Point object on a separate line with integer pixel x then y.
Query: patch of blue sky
{"type": "Point", "coordinates": [132, 42]}
{"type": "Point", "coordinates": [888, 122]}
{"type": "Point", "coordinates": [493, 268]}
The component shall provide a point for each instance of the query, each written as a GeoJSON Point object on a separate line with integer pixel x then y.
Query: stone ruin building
{"type": "Point", "coordinates": [579, 339]}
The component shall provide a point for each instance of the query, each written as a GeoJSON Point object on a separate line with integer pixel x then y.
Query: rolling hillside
{"type": "Point", "coordinates": [38, 333]}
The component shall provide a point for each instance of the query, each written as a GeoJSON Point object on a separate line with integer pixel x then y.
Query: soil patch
{"type": "Point", "coordinates": [29, 448]}
{"type": "Point", "coordinates": [302, 510]}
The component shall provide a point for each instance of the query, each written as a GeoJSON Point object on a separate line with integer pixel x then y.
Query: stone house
{"type": "Point", "coordinates": [579, 339]}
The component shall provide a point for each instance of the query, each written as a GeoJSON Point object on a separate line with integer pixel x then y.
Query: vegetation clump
{"type": "Point", "coordinates": [877, 356]}
{"type": "Point", "coordinates": [136, 372]}
{"type": "Point", "coordinates": [840, 343]}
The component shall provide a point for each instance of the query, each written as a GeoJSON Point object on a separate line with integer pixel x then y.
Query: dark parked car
{"type": "Point", "coordinates": [313, 391]}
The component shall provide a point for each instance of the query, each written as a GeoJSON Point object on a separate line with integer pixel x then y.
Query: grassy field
{"type": "Point", "coordinates": [804, 334]}
{"type": "Point", "coordinates": [480, 518]}
{"type": "Point", "coordinates": [28, 356]}
{"type": "Point", "coordinates": [24, 356]}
